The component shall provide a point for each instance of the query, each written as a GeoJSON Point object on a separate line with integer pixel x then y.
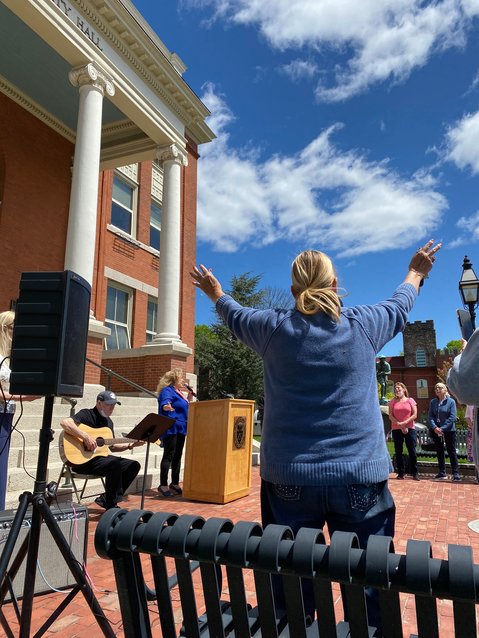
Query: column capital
{"type": "Point", "coordinates": [172, 153]}
{"type": "Point", "coordinates": [92, 74]}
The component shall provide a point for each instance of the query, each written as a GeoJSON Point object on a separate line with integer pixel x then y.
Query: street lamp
{"type": "Point", "coordinates": [469, 289]}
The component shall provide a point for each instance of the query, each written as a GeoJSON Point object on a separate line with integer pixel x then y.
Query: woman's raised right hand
{"type": "Point", "coordinates": [423, 259]}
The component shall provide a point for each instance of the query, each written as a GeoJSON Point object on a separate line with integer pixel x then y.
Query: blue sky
{"type": "Point", "coordinates": [348, 127]}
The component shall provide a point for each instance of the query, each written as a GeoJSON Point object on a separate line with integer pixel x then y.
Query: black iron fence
{"type": "Point", "coordinates": [425, 445]}
{"type": "Point", "coordinates": [207, 611]}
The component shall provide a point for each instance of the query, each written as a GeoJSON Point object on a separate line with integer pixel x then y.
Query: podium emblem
{"type": "Point", "coordinates": [239, 432]}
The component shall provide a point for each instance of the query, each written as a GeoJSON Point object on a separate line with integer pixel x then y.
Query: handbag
{"type": "Point", "coordinates": [427, 443]}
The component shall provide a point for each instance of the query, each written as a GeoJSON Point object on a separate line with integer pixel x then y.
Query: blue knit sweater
{"type": "Point", "coordinates": [322, 423]}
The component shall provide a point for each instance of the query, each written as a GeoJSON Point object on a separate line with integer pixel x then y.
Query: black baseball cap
{"type": "Point", "coordinates": [108, 397]}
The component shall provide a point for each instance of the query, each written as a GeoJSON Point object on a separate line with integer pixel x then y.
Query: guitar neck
{"type": "Point", "coordinates": [115, 441]}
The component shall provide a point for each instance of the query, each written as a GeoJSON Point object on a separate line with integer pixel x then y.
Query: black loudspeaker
{"type": "Point", "coordinates": [50, 334]}
{"type": "Point", "coordinates": [52, 573]}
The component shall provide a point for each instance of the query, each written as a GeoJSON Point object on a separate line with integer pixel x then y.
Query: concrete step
{"type": "Point", "coordinates": [19, 481]}
{"type": "Point", "coordinates": [28, 455]}
{"type": "Point", "coordinates": [125, 417]}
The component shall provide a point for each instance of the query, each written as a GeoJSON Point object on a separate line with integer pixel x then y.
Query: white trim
{"type": "Point", "coordinates": [157, 181]}
{"type": "Point", "coordinates": [132, 240]}
{"type": "Point", "coordinates": [150, 90]}
{"type": "Point", "coordinates": [176, 348]}
{"type": "Point", "coordinates": [130, 171]}
{"type": "Point", "coordinates": [23, 100]}
{"type": "Point", "coordinates": [130, 282]}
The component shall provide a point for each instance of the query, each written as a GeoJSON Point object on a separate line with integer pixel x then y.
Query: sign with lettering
{"type": "Point", "coordinates": [79, 21]}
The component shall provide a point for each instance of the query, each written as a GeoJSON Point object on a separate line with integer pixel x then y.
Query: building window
{"type": "Point", "coordinates": [421, 358]}
{"type": "Point", "coordinates": [422, 391]}
{"type": "Point", "coordinates": [151, 320]}
{"type": "Point", "coordinates": [156, 201]}
{"type": "Point", "coordinates": [155, 224]}
{"type": "Point", "coordinates": [118, 304]}
{"type": "Point", "coordinates": [123, 208]}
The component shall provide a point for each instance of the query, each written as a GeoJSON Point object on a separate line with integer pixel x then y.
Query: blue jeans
{"type": "Point", "coordinates": [363, 509]}
{"type": "Point", "coordinates": [449, 439]}
{"type": "Point", "coordinates": [410, 439]}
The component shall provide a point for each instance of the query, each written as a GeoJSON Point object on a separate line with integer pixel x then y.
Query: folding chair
{"type": "Point", "coordinates": [70, 481]}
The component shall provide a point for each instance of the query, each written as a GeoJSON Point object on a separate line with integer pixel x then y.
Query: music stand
{"type": "Point", "coordinates": [150, 429]}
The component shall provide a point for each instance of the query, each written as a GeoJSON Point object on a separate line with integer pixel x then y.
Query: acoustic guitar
{"type": "Point", "coordinates": [72, 449]}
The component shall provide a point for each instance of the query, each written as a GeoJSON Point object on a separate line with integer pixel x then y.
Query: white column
{"type": "Point", "coordinates": [173, 159]}
{"type": "Point", "coordinates": [81, 234]}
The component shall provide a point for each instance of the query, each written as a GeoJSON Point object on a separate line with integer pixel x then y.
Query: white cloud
{"type": "Point", "coordinates": [470, 224]}
{"type": "Point", "coordinates": [337, 200]}
{"type": "Point", "coordinates": [299, 69]}
{"type": "Point", "coordinates": [463, 143]}
{"type": "Point", "coordinates": [378, 39]}
{"type": "Point", "coordinates": [469, 230]}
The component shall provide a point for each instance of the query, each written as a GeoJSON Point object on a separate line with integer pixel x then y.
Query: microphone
{"type": "Point", "coordinates": [188, 387]}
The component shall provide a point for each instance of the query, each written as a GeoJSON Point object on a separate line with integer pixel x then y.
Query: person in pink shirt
{"type": "Point", "coordinates": [403, 413]}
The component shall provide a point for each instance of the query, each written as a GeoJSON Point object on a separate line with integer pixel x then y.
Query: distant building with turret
{"type": "Point", "coordinates": [417, 368]}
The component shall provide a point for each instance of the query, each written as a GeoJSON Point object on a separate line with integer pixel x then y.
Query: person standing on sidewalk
{"type": "Point", "coordinates": [463, 381]}
{"type": "Point", "coordinates": [324, 458]}
{"type": "Point", "coordinates": [403, 413]}
{"type": "Point", "coordinates": [442, 426]}
{"type": "Point", "coordinates": [7, 400]}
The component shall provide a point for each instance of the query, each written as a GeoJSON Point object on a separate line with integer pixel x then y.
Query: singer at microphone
{"type": "Point", "coordinates": [190, 389]}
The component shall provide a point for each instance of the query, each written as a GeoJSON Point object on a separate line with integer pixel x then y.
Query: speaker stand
{"type": "Point", "coordinates": [41, 513]}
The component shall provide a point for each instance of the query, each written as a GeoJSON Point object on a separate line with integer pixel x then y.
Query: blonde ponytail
{"type": "Point", "coordinates": [312, 277]}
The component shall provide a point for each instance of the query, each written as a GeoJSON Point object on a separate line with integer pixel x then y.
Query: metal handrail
{"type": "Point", "coordinates": [111, 373]}
{"type": "Point", "coordinates": [72, 403]}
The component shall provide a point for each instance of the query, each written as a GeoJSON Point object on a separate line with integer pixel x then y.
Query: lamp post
{"type": "Point", "coordinates": [469, 289]}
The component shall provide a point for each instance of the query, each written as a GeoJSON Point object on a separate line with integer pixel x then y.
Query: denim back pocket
{"type": "Point", "coordinates": [363, 497]}
{"type": "Point", "coordinates": [287, 492]}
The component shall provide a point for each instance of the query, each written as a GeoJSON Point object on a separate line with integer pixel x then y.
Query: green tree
{"type": "Point", "coordinates": [277, 298]}
{"type": "Point", "coordinates": [455, 344]}
{"type": "Point", "coordinates": [205, 345]}
{"type": "Point", "coordinates": [224, 364]}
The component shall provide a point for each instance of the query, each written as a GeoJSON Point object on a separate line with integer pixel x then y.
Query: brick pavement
{"type": "Point", "coordinates": [426, 510]}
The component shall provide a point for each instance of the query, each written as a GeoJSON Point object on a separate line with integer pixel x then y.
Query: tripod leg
{"type": "Point", "coordinates": [30, 573]}
{"type": "Point", "coordinates": [25, 499]}
{"type": "Point", "coordinates": [41, 511]}
{"type": "Point", "coordinates": [45, 436]}
{"type": "Point", "coordinates": [75, 568]}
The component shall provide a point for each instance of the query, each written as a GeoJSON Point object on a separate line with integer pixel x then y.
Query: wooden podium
{"type": "Point", "coordinates": [218, 450]}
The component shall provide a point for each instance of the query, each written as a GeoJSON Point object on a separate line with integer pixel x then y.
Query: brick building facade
{"type": "Point", "coordinates": [98, 174]}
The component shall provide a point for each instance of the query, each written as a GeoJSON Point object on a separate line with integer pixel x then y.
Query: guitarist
{"type": "Point", "coordinates": [118, 472]}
